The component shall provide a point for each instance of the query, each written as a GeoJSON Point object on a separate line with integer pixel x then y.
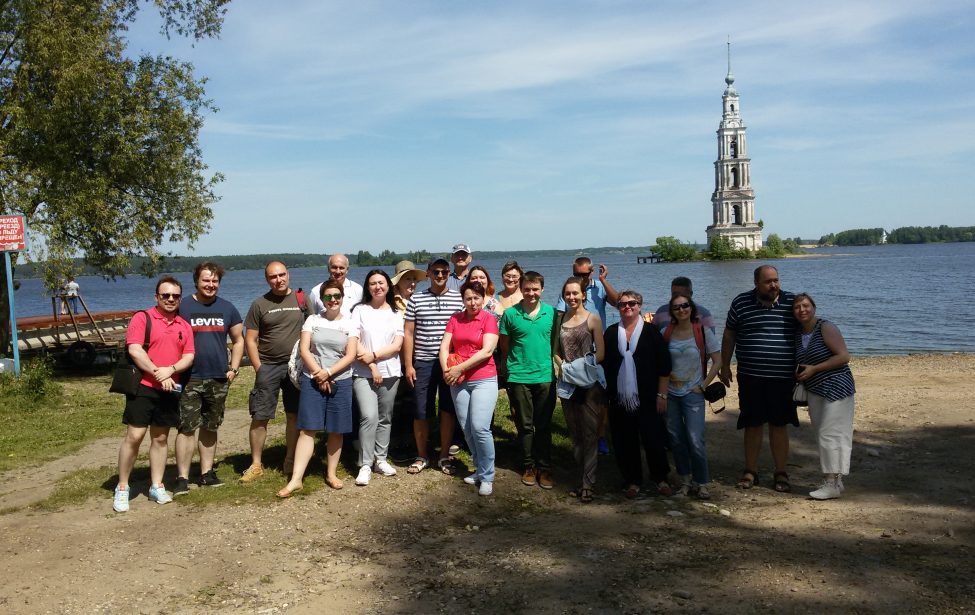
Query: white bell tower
{"type": "Point", "coordinates": [733, 200]}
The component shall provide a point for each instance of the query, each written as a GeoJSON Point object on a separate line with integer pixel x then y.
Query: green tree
{"type": "Point", "coordinates": [100, 151]}
{"type": "Point", "coordinates": [723, 249]}
{"type": "Point", "coordinates": [674, 250]}
{"type": "Point", "coordinates": [774, 248]}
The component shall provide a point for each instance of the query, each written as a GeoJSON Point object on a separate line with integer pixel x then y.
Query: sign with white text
{"type": "Point", "coordinates": [13, 234]}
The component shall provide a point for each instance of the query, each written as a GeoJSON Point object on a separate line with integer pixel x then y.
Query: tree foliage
{"type": "Point", "coordinates": [724, 249]}
{"type": "Point", "coordinates": [930, 234]}
{"type": "Point", "coordinates": [98, 150]}
{"type": "Point", "coordinates": [853, 237]}
{"type": "Point", "coordinates": [674, 250]}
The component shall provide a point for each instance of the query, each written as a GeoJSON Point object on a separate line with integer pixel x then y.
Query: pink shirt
{"type": "Point", "coordinates": [169, 340]}
{"type": "Point", "coordinates": [467, 338]}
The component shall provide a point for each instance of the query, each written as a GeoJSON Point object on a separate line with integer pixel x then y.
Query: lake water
{"type": "Point", "coordinates": [894, 299]}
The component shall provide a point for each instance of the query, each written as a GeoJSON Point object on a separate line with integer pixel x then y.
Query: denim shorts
{"type": "Point", "coordinates": [319, 411]}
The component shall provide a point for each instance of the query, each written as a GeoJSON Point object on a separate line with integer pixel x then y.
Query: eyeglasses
{"type": "Point", "coordinates": [439, 273]}
{"type": "Point", "coordinates": [681, 306]}
{"type": "Point", "coordinates": [173, 296]}
{"type": "Point", "coordinates": [627, 304]}
{"type": "Point", "coordinates": [332, 297]}
{"type": "Point", "coordinates": [512, 278]}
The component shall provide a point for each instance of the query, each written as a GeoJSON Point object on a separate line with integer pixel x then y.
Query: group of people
{"type": "Point", "coordinates": [456, 343]}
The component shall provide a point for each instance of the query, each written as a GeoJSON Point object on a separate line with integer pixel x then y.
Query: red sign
{"type": "Point", "coordinates": [13, 234]}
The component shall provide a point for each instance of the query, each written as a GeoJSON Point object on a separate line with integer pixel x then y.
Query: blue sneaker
{"type": "Point", "coordinates": [121, 500]}
{"type": "Point", "coordinates": [603, 446]}
{"type": "Point", "coordinates": [159, 494]}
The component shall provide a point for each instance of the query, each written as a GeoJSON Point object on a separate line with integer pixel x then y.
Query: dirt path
{"type": "Point", "coordinates": [900, 540]}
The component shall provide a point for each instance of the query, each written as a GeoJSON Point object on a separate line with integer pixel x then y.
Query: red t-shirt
{"type": "Point", "coordinates": [467, 338]}
{"type": "Point", "coordinates": [169, 340]}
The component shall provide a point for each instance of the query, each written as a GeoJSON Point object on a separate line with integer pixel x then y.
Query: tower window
{"type": "Point", "coordinates": [737, 214]}
{"type": "Point", "coordinates": [734, 177]}
{"type": "Point", "coordinates": [734, 148]}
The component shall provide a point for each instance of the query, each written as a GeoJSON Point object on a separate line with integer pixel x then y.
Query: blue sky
{"type": "Point", "coordinates": [524, 125]}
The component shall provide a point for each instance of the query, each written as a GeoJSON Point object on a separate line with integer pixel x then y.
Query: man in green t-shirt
{"type": "Point", "coordinates": [526, 353]}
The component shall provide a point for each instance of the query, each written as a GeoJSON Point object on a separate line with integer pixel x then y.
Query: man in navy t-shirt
{"type": "Point", "coordinates": [205, 394]}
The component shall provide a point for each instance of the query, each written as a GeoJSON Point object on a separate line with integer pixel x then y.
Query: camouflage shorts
{"type": "Point", "coordinates": [202, 404]}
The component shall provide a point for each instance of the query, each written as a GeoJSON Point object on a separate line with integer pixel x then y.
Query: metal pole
{"type": "Point", "coordinates": [13, 313]}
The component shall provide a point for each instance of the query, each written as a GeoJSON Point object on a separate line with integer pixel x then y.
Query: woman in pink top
{"type": "Point", "coordinates": [468, 367]}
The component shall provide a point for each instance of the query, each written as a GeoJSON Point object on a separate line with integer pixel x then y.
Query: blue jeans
{"type": "Point", "coordinates": [474, 401]}
{"type": "Point", "coordinates": [685, 423]}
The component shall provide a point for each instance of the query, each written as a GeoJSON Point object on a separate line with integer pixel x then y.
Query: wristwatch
{"type": "Point", "coordinates": [662, 396]}
{"type": "Point", "coordinates": [235, 370]}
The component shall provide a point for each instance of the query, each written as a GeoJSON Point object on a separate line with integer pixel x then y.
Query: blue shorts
{"type": "Point", "coordinates": [429, 381]}
{"type": "Point", "coordinates": [318, 411]}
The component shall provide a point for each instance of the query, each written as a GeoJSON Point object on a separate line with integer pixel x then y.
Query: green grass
{"type": "Point", "coordinates": [68, 415]}
{"type": "Point", "coordinates": [76, 487]}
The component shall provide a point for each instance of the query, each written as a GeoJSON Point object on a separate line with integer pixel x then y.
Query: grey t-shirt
{"type": "Point", "coordinates": [329, 339]}
{"type": "Point", "coordinates": [277, 321]}
{"type": "Point", "coordinates": [685, 361]}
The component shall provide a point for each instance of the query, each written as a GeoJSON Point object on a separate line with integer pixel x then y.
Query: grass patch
{"type": "Point", "coordinates": [49, 417]}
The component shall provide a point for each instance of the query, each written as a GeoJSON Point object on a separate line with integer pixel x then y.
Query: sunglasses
{"type": "Point", "coordinates": [681, 306]}
{"type": "Point", "coordinates": [627, 304]}
{"type": "Point", "coordinates": [332, 297]}
{"type": "Point", "coordinates": [439, 273]}
{"type": "Point", "coordinates": [173, 296]}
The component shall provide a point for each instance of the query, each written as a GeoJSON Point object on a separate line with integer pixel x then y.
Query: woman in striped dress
{"type": "Point", "coordinates": [822, 366]}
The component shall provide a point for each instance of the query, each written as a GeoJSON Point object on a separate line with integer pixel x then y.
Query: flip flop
{"type": "Point", "coordinates": [781, 483]}
{"type": "Point", "coordinates": [419, 464]}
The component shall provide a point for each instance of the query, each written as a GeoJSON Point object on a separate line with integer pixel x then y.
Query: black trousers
{"type": "Point", "coordinates": [629, 430]}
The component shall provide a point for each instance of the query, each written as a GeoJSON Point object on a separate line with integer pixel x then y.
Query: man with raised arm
{"type": "Point", "coordinates": [204, 397]}
{"type": "Point", "coordinates": [273, 325]}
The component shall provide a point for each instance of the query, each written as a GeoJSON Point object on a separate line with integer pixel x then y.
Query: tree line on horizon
{"type": "Point", "coordinates": [903, 235]}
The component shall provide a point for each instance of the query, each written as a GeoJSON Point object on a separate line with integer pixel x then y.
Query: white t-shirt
{"type": "Point", "coordinates": [377, 328]}
{"type": "Point", "coordinates": [353, 295]}
{"type": "Point", "coordinates": [329, 339]}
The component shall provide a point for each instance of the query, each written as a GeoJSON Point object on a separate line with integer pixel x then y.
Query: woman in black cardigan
{"type": "Point", "coordinates": [637, 366]}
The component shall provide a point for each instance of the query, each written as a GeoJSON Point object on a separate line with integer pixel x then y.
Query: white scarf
{"type": "Point", "coordinates": [626, 390]}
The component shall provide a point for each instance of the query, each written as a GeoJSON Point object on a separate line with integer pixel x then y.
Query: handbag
{"type": "Point", "coordinates": [799, 395]}
{"type": "Point", "coordinates": [127, 375]}
{"type": "Point", "coordinates": [714, 392]}
{"type": "Point", "coordinates": [455, 359]}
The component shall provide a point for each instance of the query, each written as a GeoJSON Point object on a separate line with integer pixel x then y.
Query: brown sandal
{"type": "Point", "coordinates": [748, 479]}
{"type": "Point", "coordinates": [781, 484]}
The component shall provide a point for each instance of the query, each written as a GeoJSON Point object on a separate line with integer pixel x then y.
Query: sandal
{"type": "Point", "coordinates": [782, 485]}
{"type": "Point", "coordinates": [632, 491]}
{"type": "Point", "coordinates": [446, 465]}
{"type": "Point", "coordinates": [287, 493]}
{"type": "Point", "coordinates": [585, 496]}
{"type": "Point", "coordinates": [576, 492]}
{"type": "Point", "coordinates": [419, 464]}
{"type": "Point", "coordinates": [748, 479]}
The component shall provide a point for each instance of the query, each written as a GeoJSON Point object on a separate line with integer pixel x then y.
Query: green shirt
{"type": "Point", "coordinates": [529, 344]}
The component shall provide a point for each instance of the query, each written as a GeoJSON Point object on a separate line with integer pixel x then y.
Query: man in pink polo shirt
{"type": "Point", "coordinates": [155, 407]}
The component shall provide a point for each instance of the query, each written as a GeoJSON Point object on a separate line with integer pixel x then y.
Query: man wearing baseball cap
{"type": "Point", "coordinates": [461, 257]}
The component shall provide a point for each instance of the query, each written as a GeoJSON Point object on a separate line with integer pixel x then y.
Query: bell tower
{"type": "Point", "coordinates": [733, 200]}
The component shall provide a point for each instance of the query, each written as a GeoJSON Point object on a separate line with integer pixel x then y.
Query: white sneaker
{"type": "Point", "coordinates": [121, 500]}
{"type": "Point", "coordinates": [471, 480]}
{"type": "Point", "coordinates": [829, 490]}
{"type": "Point", "coordinates": [365, 473]}
{"type": "Point", "coordinates": [159, 494]}
{"type": "Point", "coordinates": [384, 468]}
{"type": "Point", "coordinates": [839, 483]}
{"type": "Point", "coordinates": [486, 488]}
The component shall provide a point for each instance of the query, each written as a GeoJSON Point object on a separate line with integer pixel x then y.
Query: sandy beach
{"type": "Point", "coordinates": [900, 540]}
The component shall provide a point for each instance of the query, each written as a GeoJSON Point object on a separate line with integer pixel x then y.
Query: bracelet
{"type": "Point", "coordinates": [235, 370]}
{"type": "Point", "coordinates": [329, 372]}
{"type": "Point", "coordinates": [662, 396]}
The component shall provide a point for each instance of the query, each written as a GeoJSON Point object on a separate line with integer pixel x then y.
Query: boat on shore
{"type": "Point", "coordinates": [82, 340]}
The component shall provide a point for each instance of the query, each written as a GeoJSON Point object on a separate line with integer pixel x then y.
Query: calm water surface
{"type": "Point", "coordinates": [886, 299]}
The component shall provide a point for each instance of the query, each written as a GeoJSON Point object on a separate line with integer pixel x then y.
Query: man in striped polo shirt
{"type": "Point", "coordinates": [427, 313]}
{"type": "Point", "coordinates": [760, 331]}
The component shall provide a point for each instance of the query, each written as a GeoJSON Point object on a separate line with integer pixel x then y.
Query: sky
{"type": "Point", "coordinates": [346, 126]}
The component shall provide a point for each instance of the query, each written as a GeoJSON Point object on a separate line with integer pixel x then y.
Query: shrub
{"type": "Point", "coordinates": [35, 383]}
{"type": "Point", "coordinates": [723, 249]}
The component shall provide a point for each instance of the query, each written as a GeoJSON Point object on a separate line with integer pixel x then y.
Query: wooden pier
{"type": "Point", "coordinates": [653, 257]}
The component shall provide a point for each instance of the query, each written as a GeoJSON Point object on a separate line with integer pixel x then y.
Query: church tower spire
{"type": "Point", "coordinates": [733, 200]}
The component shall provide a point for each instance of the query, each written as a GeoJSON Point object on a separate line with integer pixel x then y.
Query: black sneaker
{"type": "Point", "coordinates": [182, 487]}
{"type": "Point", "coordinates": [210, 480]}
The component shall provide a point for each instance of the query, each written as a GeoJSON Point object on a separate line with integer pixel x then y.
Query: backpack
{"type": "Point", "coordinates": [698, 339]}
{"type": "Point", "coordinates": [295, 364]}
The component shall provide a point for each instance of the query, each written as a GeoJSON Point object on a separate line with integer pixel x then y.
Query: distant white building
{"type": "Point", "coordinates": [883, 237]}
{"type": "Point", "coordinates": [733, 200]}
